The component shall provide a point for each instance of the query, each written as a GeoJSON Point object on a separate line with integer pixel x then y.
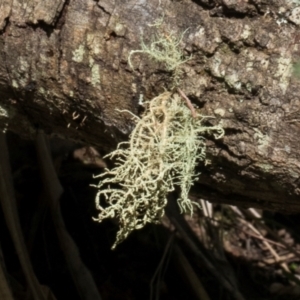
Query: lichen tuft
{"type": "Point", "coordinates": [162, 153]}
{"type": "Point", "coordinates": [164, 48]}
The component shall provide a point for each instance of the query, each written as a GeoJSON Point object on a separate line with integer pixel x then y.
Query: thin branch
{"type": "Point", "coordinates": [188, 102]}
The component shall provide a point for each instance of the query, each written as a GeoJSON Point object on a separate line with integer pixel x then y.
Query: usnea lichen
{"type": "Point", "coordinates": [164, 48]}
{"type": "Point", "coordinates": [162, 152]}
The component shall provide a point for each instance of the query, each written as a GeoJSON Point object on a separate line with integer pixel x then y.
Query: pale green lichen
{"type": "Point", "coordinates": [162, 153]}
{"type": "Point", "coordinates": [164, 48]}
{"type": "Point", "coordinates": [15, 83]}
{"type": "Point", "coordinates": [78, 54]}
{"type": "Point", "coordinates": [3, 112]}
{"type": "Point", "coordinates": [95, 75]}
{"type": "Point", "coordinates": [284, 72]}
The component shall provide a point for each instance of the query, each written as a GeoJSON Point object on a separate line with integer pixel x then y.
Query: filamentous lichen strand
{"type": "Point", "coordinates": [162, 153]}
{"type": "Point", "coordinates": [164, 48]}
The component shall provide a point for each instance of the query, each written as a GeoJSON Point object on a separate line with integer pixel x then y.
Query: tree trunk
{"type": "Point", "coordinates": [64, 68]}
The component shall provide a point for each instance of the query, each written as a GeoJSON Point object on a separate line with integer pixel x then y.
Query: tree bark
{"type": "Point", "coordinates": [63, 68]}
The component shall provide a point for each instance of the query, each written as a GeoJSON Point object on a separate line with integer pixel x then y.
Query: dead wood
{"type": "Point", "coordinates": [63, 68]}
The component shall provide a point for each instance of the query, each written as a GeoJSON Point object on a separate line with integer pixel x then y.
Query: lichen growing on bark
{"type": "Point", "coordinates": [162, 153]}
{"type": "Point", "coordinates": [164, 48]}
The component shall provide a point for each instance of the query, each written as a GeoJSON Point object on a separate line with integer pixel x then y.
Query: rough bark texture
{"type": "Point", "coordinates": [63, 67]}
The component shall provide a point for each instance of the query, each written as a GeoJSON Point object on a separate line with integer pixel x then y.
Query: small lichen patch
{"type": "Point", "coordinates": [233, 80]}
{"type": "Point", "coordinates": [263, 142]}
{"type": "Point", "coordinates": [284, 63]}
{"type": "Point", "coordinates": [3, 112]}
{"type": "Point", "coordinates": [164, 48]}
{"type": "Point", "coordinates": [91, 62]}
{"type": "Point", "coordinates": [95, 75]}
{"type": "Point", "coordinates": [295, 15]}
{"type": "Point", "coordinates": [220, 112]}
{"type": "Point", "coordinates": [217, 67]}
{"type": "Point", "coordinates": [24, 65]}
{"type": "Point", "coordinates": [15, 83]}
{"type": "Point", "coordinates": [120, 29]}
{"type": "Point", "coordinates": [246, 32]}
{"type": "Point", "coordinates": [78, 54]}
{"type": "Point", "coordinates": [284, 72]}
{"type": "Point", "coordinates": [264, 166]}
{"type": "Point", "coordinates": [42, 90]}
